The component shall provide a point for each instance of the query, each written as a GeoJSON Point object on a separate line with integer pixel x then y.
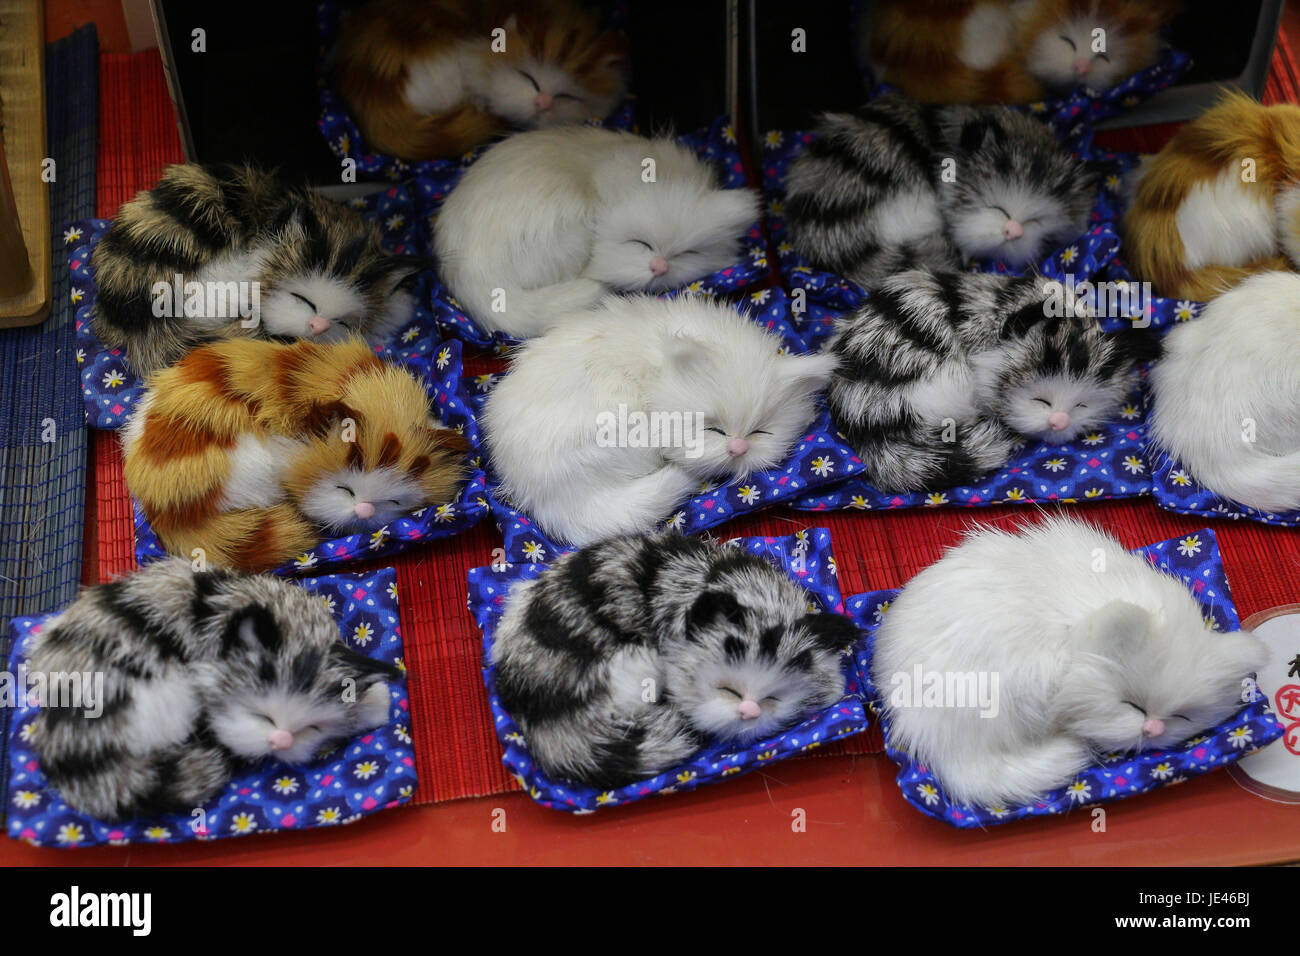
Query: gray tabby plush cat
{"type": "Point", "coordinates": [203, 671]}
{"type": "Point", "coordinates": [625, 657]}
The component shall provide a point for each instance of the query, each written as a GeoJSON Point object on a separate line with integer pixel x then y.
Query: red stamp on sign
{"type": "Point", "coordinates": [1287, 701]}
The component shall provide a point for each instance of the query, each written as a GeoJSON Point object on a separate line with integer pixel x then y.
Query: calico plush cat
{"type": "Point", "coordinates": [318, 268]}
{"type": "Point", "coordinates": [1093, 651]}
{"type": "Point", "coordinates": [1227, 394]}
{"type": "Point", "coordinates": [203, 673]}
{"type": "Point", "coordinates": [902, 185]}
{"type": "Point", "coordinates": [1212, 207]}
{"type": "Point", "coordinates": [424, 81]}
{"type": "Point", "coordinates": [253, 451]}
{"type": "Point", "coordinates": [941, 374]}
{"type": "Point", "coordinates": [712, 395]}
{"type": "Point", "coordinates": [548, 222]}
{"type": "Point", "coordinates": [626, 657]}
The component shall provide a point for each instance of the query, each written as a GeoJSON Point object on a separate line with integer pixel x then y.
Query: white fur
{"type": "Point", "coordinates": [1028, 408]}
{"type": "Point", "coordinates": [332, 500]}
{"type": "Point", "coordinates": [1073, 626]}
{"type": "Point", "coordinates": [986, 34]}
{"type": "Point", "coordinates": [1052, 54]}
{"type": "Point", "coordinates": [439, 83]}
{"type": "Point", "coordinates": [556, 218]}
{"type": "Point", "coordinates": [1288, 221]}
{"type": "Point", "coordinates": [244, 724]}
{"type": "Point", "coordinates": [683, 355]}
{"type": "Point", "coordinates": [1226, 222]}
{"type": "Point", "coordinates": [1238, 362]}
{"type": "Point", "coordinates": [978, 229]}
{"type": "Point", "coordinates": [256, 478]}
{"type": "Point", "coordinates": [907, 217]}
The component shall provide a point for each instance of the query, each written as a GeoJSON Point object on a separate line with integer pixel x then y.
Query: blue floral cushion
{"type": "Point", "coordinates": [806, 557]}
{"type": "Point", "coordinates": [1175, 490]}
{"type": "Point", "coordinates": [372, 772]}
{"type": "Point", "coordinates": [1195, 560]}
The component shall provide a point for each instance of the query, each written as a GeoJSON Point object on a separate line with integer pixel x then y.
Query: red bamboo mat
{"type": "Point", "coordinates": [456, 748]}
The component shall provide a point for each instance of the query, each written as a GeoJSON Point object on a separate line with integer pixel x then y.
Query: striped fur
{"type": "Point", "coordinates": [625, 657]}
{"type": "Point", "coordinates": [942, 373]}
{"type": "Point", "coordinates": [198, 670]}
{"type": "Point", "coordinates": [329, 416]}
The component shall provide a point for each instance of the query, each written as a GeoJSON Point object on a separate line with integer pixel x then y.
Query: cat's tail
{"type": "Point", "coordinates": [909, 455]}
{"type": "Point", "coordinates": [250, 539]}
{"type": "Point", "coordinates": [1269, 483]}
{"type": "Point", "coordinates": [627, 751]}
{"type": "Point", "coordinates": [527, 312]}
{"type": "Point", "coordinates": [877, 263]}
{"type": "Point", "coordinates": [1211, 281]}
{"type": "Point", "coordinates": [987, 778]}
{"type": "Point", "coordinates": [404, 132]}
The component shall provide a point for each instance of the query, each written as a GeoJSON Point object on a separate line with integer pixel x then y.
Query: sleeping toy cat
{"type": "Point", "coordinates": [723, 641]}
{"type": "Point", "coordinates": [204, 672]}
{"type": "Point", "coordinates": [941, 374]}
{"type": "Point", "coordinates": [252, 452]}
{"type": "Point", "coordinates": [715, 399]}
{"type": "Point", "coordinates": [317, 267]}
{"type": "Point", "coordinates": [1093, 651]}
{"type": "Point", "coordinates": [547, 222]}
{"type": "Point", "coordinates": [1217, 203]}
{"type": "Point", "coordinates": [432, 79]}
{"type": "Point", "coordinates": [902, 185]}
{"type": "Point", "coordinates": [1227, 394]}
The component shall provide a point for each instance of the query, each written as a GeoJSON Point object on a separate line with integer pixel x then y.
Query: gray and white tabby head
{"type": "Point", "coordinates": [751, 660]}
{"type": "Point", "coordinates": [286, 684]}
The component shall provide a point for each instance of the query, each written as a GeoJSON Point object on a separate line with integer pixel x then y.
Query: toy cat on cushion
{"type": "Point", "coordinates": [424, 81]}
{"type": "Point", "coordinates": [253, 451]}
{"type": "Point", "coordinates": [1094, 651]}
{"type": "Point", "coordinates": [1227, 394]}
{"type": "Point", "coordinates": [318, 267]}
{"type": "Point", "coordinates": [203, 672]}
{"type": "Point", "coordinates": [869, 197]}
{"type": "Point", "coordinates": [714, 396]}
{"type": "Point", "coordinates": [547, 222]}
{"type": "Point", "coordinates": [1217, 203]}
{"type": "Point", "coordinates": [940, 373]}
{"type": "Point", "coordinates": [1095, 44]}
{"type": "Point", "coordinates": [724, 640]}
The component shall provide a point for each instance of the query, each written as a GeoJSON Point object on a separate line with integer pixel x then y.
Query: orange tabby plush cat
{"type": "Point", "coordinates": [255, 451]}
{"type": "Point", "coordinates": [1217, 204]}
{"type": "Point", "coordinates": [431, 79]}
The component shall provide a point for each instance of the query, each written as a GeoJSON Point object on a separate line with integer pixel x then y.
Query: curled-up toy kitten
{"type": "Point", "coordinates": [268, 259]}
{"type": "Point", "coordinates": [628, 656]}
{"type": "Point", "coordinates": [1082, 649]}
{"type": "Point", "coordinates": [1227, 394]}
{"type": "Point", "coordinates": [1095, 44]}
{"type": "Point", "coordinates": [942, 375]}
{"type": "Point", "coordinates": [902, 185]}
{"type": "Point", "coordinates": [203, 673]}
{"type": "Point", "coordinates": [253, 452]}
{"type": "Point", "coordinates": [703, 391]}
{"type": "Point", "coordinates": [547, 222]}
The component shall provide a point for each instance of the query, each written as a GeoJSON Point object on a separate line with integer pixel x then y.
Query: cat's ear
{"type": "Point", "coordinates": [397, 270]}
{"type": "Point", "coordinates": [1237, 654]}
{"type": "Point", "coordinates": [833, 632]}
{"type": "Point", "coordinates": [1018, 323]}
{"type": "Point", "coordinates": [733, 210]}
{"type": "Point", "coordinates": [323, 417]}
{"type": "Point", "coordinates": [252, 628]}
{"type": "Point", "coordinates": [439, 435]}
{"type": "Point", "coordinates": [688, 356]}
{"type": "Point", "coordinates": [360, 665]}
{"type": "Point", "coordinates": [809, 373]}
{"type": "Point", "coordinates": [978, 133]}
{"type": "Point", "coordinates": [1139, 345]}
{"type": "Point", "coordinates": [1118, 629]}
{"type": "Point", "coordinates": [711, 606]}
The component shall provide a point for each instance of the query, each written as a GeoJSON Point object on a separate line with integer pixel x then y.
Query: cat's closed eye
{"type": "Point", "coordinates": [529, 78]}
{"type": "Point", "coordinates": [1044, 401]}
{"type": "Point", "coordinates": [1134, 706]}
{"type": "Point", "coordinates": [642, 242]}
{"type": "Point", "coordinates": [347, 489]}
{"type": "Point", "coordinates": [733, 693]}
{"type": "Point", "coordinates": [1069, 41]}
{"type": "Point", "coordinates": [305, 301]}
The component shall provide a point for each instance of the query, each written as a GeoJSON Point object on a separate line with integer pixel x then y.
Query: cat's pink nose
{"type": "Point", "coordinates": [364, 510]}
{"type": "Point", "coordinates": [658, 265]}
{"type": "Point", "coordinates": [543, 102]}
{"type": "Point", "coordinates": [1059, 420]}
{"type": "Point", "coordinates": [1153, 727]}
{"type": "Point", "coordinates": [1082, 67]}
{"type": "Point", "coordinates": [748, 709]}
{"type": "Point", "coordinates": [737, 447]}
{"type": "Point", "coordinates": [280, 740]}
{"type": "Point", "coordinates": [317, 324]}
{"type": "Point", "coordinates": [1013, 229]}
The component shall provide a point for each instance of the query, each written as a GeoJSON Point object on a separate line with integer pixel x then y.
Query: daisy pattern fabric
{"type": "Point", "coordinates": [344, 136]}
{"type": "Point", "coordinates": [715, 145]}
{"type": "Point", "coordinates": [1195, 560]}
{"type": "Point", "coordinates": [373, 772]}
{"type": "Point", "coordinates": [806, 557]}
{"type": "Point", "coordinates": [1175, 490]}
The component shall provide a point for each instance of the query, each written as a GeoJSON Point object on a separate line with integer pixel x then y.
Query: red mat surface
{"type": "Point", "coordinates": [457, 751]}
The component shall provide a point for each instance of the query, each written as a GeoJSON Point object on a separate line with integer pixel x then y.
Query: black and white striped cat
{"type": "Point", "coordinates": [904, 185]}
{"type": "Point", "coordinates": [943, 374]}
{"type": "Point", "coordinates": [627, 656]}
{"type": "Point", "coordinates": [203, 672]}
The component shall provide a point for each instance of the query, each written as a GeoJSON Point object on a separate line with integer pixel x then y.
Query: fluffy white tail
{"type": "Point", "coordinates": [1265, 482]}
{"type": "Point", "coordinates": [528, 312]}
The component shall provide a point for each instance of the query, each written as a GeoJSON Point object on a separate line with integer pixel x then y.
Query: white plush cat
{"type": "Point", "coordinates": [1086, 650]}
{"type": "Point", "coordinates": [546, 222]}
{"type": "Point", "coordinates": [701, 393]}
{"type": "Point", "coordinates": [1227, 393]}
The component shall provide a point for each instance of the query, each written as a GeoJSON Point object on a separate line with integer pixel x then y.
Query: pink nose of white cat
{"type": "Point", "coordinates": [658, 265]}
{"type": "Point", "coordinates": [1013, 229]}
{"type": "Point", "coordinates": [364, 510]}
{"type": "Point", "coordinates": [317, 324]}
{"type": "Point", "coordinates": [1082, 67]}
{"type": "Point", "coordinates": [1153, 727]}
{"type": "Point", "coordinates": [748, 709]}
{"type": "Point", "coordinates": [280, 740]}
{"type": "Point", "coordinates": [543, 102]}
{"type": "Point", "coordinates": [737, 447]}
{"type": "Point", "coordinates": [1059, 420]}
